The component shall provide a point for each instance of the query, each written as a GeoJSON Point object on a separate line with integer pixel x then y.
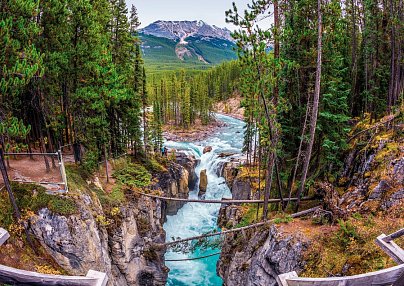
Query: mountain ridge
{"type": "Point", "coordinates": [180, 30]}
{"type": "Point", "coordinates": [169, 45]}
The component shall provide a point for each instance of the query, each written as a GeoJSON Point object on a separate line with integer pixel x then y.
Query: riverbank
{"type": "Point", "coordinates": [197, 132]}
{"type": "Point", "coordinates": [230, 107]}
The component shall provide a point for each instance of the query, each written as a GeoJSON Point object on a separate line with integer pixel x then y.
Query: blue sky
{"type": "Point", "coordinates": [210, 11]}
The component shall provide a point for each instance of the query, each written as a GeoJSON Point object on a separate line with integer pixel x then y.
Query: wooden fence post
{"type": "Point", "coordinates": [62, 170]}
{"type": "Point", "coordinates": [4, 235]}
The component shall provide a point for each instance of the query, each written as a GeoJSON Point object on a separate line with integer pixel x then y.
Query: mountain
{"type": "Point", "coordinates": [168, 45]}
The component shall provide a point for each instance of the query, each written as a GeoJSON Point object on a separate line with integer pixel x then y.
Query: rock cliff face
{"type": "Point", "coordinates": [254, 257]}
{"type": "Point", "coordinates": [371, 182]}
{"type": "Point", "coordinates": [76, 242]}
{"type": "Point", "coordinates": [175, 184]}
{"type": "Point", "coordinates": [120, 242]}
{"type": "Point", "coordinates": [239, 187]}
{"type": "Point", "coordinates": [373, 178]}
{"type": "Point", "coordinates": [121, 248]}
{"type": "Point", "coordinates": [257, 257]}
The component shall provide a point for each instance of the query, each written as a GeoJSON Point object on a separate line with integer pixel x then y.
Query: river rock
{"type": "Point", "coordinates": [189, 162]}
{"type": "Point", "coordinates": [203, 182]}
{"type": "Point", "coordinates": [207, 149]}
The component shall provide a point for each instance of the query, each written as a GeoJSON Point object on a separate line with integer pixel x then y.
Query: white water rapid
{"type": "Point", "coordinates": [195, 218]}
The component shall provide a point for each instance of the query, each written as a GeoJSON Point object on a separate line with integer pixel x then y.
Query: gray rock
{"type": "Point", "coordinates": [258, 259]}
{"type": "Point", "coordinates": [379, 190]}
{"type": "Point", "coordinates": [241, 189]}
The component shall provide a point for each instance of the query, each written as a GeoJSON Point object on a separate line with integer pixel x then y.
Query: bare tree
{"type": "Point", "coordinates": [316, 101]}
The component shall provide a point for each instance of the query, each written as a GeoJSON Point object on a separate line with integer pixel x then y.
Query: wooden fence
{"type": "Point", "coordinates": [61, 164]}
{"type": "Point", "coordinates": [393, 276]}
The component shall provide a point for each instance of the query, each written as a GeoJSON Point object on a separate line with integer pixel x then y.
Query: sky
{"type": "Point", "coordinates": [210, 11]}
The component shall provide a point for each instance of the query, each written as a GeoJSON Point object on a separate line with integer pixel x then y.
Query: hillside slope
{"type": "Point", "coordinates": [168, 45]}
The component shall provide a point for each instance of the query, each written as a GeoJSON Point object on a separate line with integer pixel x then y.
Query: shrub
{"type": "Point", "coordinates": [133, 176]}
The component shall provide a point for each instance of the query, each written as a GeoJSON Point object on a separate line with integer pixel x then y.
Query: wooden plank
{"type": "Point", "coordinates": [385, 277]}
{"type": "Point", "coordinates": [222, 201]}
{"type": "Point", "coordinates": [282, 278]}
{"type": "Point", "coordinates": [28, 154]}
{"type": "Point", "coordinates": [391, 248]}
{"type": "Point", "coordinates": [400, 281]}
{"type": "Point", "coordinates": [295, 215]}
{"type": "Point", "coordinates": [394, 235]}
{"type": "Point", "coordinates": [14, 276]}
{"type": "Point", "coordinates": [4, 235]}
{"type": "Point", "coordinates": [101, 276]}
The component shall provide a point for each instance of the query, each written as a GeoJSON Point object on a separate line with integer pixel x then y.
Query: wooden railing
{"type": "Point", "coordinates": [385, 277]}
{"type": "Point", "coordinates": [393, 276]}
{"type": "Point", "coordinates": [13, 276]}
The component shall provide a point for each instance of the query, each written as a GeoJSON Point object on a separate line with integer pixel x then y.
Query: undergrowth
{"type": "Point", "coordinates": [351, 249]}
{"type": "Point", "coordinates": [30, 197]}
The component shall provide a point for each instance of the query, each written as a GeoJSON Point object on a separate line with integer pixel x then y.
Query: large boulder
{"type": "Point", "coordinates": [174, 183]}
{"type": "Point", "coordinates": [241, 189]}
{"type": "Point", "coordinates": [207, 149]}
{"type": "Point", "coordinates": [203, 181]}
{"type": "Point", "coordinates": [189, 162]}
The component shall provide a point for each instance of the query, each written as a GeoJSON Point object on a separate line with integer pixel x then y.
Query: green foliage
{"type": "Point", "coordinates": [67, 70]}
{"type": "Point", "coordinates": [182, 98]}
{"type": "Point", "coordinates": [154, 166]}
{"type": "Point", "coordinates": [31, 197]}
{"type": "Point", "coordinates": [90, 161]}
{"type": "Point", "coordinates": [347, 232]}
{"type": "Point", "coordinates": [111, 200]}
{"type": "Point", "coordinates": [284, 219]}
{"type": "Point", "coordinates": [133, 176]}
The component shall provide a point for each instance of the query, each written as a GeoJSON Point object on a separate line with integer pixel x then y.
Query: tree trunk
{"type": "Point", "coordinates": [3, 170]}
{"type": "Point", "coordinates": [316, 101]}
{"type": "Point", "coordinates": [106, 162]}
{"type": "Point", "coordinates": [42, 142]}
{"type": "Point", "coordinates": [17, 213]}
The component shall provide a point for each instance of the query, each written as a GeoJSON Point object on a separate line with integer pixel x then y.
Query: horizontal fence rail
{"type": "Point", "coordinates": [15, 276]}
{"type": "Point", "coordinates": [385, 277]}
{"type": "Point", "coordinates": [295, 215]}
{"type": "Point", "coordinates": [222, 201]}
{"type": "Point", "coordinates": [31, 154]}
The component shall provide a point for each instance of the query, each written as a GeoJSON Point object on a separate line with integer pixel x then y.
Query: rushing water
{"type": "Point", "coordinates": [195, 218]}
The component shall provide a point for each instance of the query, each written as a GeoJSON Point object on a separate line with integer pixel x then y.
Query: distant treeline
{"type": "Point", "coordinates": [181, 98]}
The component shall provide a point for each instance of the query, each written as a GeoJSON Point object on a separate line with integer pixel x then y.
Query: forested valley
{"type": "Point", "coordinates": [320, 84]}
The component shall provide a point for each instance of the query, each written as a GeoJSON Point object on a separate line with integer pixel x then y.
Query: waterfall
{"type": "Point", "coordinates": [195, 218]}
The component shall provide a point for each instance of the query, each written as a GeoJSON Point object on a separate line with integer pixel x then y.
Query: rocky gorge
{"type": "Point", "coordinates": [119, 240]}
{"type": "Point", "coordinates": [369, 189]}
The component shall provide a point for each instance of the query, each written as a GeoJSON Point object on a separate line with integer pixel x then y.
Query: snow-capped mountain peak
{"type": "Point", "coordinates": [180, 30]}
